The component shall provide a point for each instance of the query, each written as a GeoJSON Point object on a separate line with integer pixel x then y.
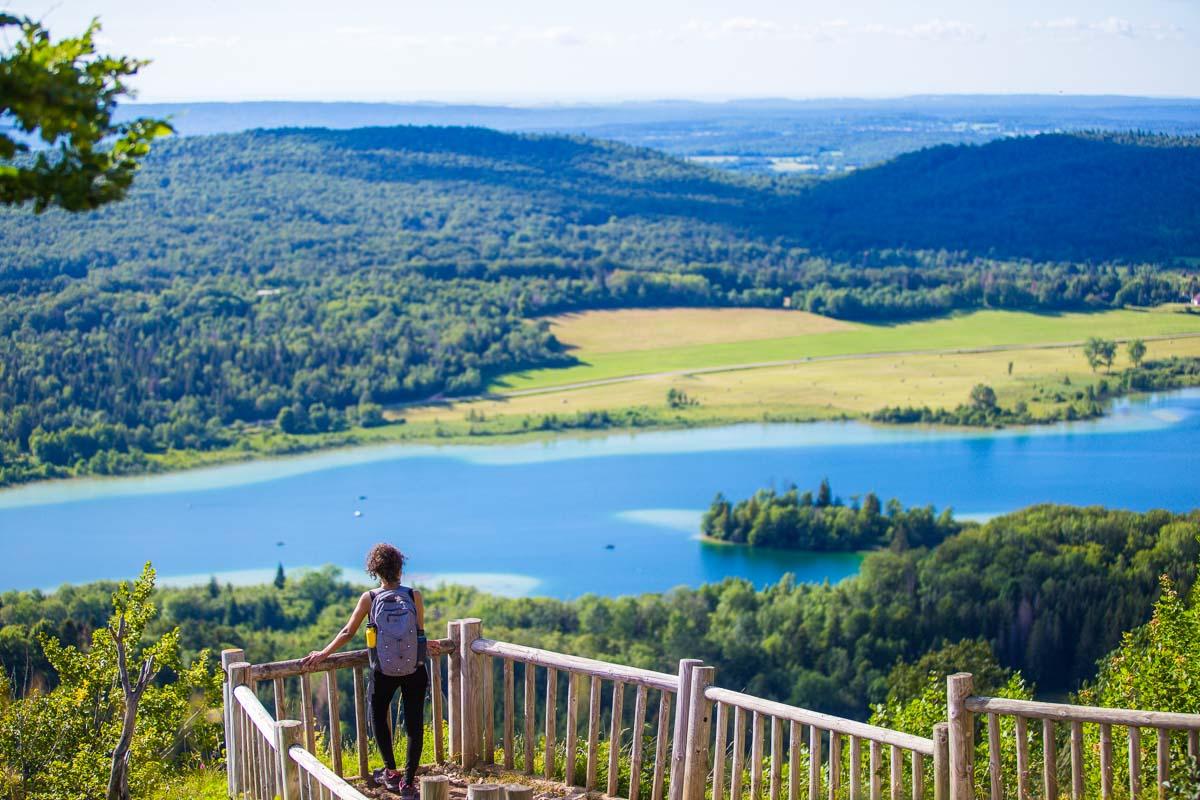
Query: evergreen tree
{"type": "Point", "coordinates": [824, 493]}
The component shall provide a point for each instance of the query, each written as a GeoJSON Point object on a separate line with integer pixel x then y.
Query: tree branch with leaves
{"type": "Point", "coordinates": [118, 778]}
{"type": "Point", "coordinates": [64, 94]}
{"type": "Point", "coordinates": [125, 716]}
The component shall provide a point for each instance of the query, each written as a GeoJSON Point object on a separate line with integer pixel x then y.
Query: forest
{"type": "Point", "coordinates": [1051, 588]}
{"type": "Point", "coordinates": [823, 522]}
{"type": "Point", "coordinates": [1035, 598]}
{"type": "Point", "coordinates": [301, 280]}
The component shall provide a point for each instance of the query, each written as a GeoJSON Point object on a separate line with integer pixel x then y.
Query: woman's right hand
{"type": "Point", "coordinates": [314, 658]}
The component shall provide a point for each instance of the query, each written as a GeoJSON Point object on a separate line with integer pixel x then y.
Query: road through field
{"type": "Point", "coordinates": [999, 348]}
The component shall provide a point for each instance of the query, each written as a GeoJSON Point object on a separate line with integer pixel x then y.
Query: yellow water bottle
{"type": "Point", "coordinates": [370, 635]}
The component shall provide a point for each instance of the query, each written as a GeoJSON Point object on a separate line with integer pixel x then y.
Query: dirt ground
{"type": "Point", "coordinates": [459, 780]}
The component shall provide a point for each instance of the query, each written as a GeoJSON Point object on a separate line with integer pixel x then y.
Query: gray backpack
{"type": "Point", "coordinates": [399, 643]}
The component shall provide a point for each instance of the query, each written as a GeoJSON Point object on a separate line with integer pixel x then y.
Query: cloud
{"type": "Point", "coordinates": [1073, 29]}
{"type": "Point", "coordinates": [750, 25]}
{"type": "Point", "coordinates": [758, 28]}
{"type": "Point", "coordinates": [1115, 26]}
{"type": "Point", "coordinates": [1062, 24]}
{"type": "Point", "coordinates": [561, 36]}
{"type": "Point", "coordinates": [940, 30]}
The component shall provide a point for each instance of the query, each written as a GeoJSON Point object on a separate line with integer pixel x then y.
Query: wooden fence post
{"type": "Point", "coordinates": [962, 747]}
{"type": "Point", "coordinates": [453, 691]}
{"type": "Point", "coordinates": [470, 685]}
{"type": "Point", "coordinates": [243, 777]}
{"type": "Point", "coordinates": [941, 761]}
{"type": "Point", "coordinates": [228, 658]}
{"type": "Point", "coordinates": [287, 733]}
{"type": "Point", "coordinates": [695, 769]}
{"type": "Point", "coordinates": [679, 736]}
{"type": "Point", "coordinates": [435, 787]}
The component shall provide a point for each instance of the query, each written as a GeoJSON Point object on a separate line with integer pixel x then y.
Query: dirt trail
{"type": "Point", "coordinates": [459, 780]}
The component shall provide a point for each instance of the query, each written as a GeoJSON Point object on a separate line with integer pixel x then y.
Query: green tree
{"type": "Point", "coordinates": [907, 681]}
{"type": "Point", "coordinates": [64, 93]}
{"type": "Point", "coordinates": [1137, 351]}
{"type": "Point", "coordinates": [677, 398]}
{"type": "Point", "coordinates": [1099, 351]}
{"type": "Point", "coordinates": [824, 493]}
{"type": "Point", "coordinates": [105, 731]}
{"type": "Point", "coordinates": [286, 420]}
{"type": "Point", "coordinates": [1154, 669]}
{"type": "Point", "coordinates": [280, 577]}
{"type": "Point", "coordinates": [983, 398]}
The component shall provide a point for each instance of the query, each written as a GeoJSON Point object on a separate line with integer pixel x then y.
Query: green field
{"type": "Point", "coordinates": [974, 330]}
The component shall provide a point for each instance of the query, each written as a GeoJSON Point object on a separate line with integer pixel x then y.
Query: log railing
{"type": "Point", "coordinates": [1073, 751]}
{"type": "Point", "coordinates": [648, 731]}
{"type": "Point", "coordinates": [645, 735]}
{"type": "Point", "coordinates": [269, 755]}
{"type": "Point", "coordinates": [813, 755]}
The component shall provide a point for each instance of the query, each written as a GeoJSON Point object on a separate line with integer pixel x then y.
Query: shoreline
{"type": "Point", "coordinates": [381, 447]}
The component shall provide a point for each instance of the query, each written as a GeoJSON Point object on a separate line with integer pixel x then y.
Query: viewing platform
{"type": "Point", "coordinates": [547, 724]}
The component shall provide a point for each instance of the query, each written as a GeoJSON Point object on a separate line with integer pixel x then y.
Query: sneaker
{"type": "Point", "coordinates": [408, 791]}
{"type": "Point", "coordinates": [389, 779]}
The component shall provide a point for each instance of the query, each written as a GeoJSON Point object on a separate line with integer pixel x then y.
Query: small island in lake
{"type": "Point", "coordinates": [796, 521]}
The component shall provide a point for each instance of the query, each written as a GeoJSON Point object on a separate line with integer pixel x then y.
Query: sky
{"type": "Point", "coordinates": [537, 51]}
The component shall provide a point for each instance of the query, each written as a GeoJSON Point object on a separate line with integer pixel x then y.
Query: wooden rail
{"type": "Point", "coordinates": [594, 690]}
{"type": "Point", "coordinates": [811, 763]}
{"type": "Point", "coordinates": [640, 734]}
{"type": "Point", "coordinates": [255, 768]}
{"type": "Point", "coordinates": [1093, 769]}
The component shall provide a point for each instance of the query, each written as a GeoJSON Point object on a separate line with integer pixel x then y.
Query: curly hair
{"type": "Point", "coordinates": [385, 562]}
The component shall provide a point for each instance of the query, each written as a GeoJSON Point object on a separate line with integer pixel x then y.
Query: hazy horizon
{"type": "Point", "coordinates": [535, 51]}
{"type": "Point", "coordinates": [551, 102]}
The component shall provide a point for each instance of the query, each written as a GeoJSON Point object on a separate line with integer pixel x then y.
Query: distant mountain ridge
{"type": "Point", "coordinates": [1050, 197]}
{"type": "Point", "coordinates": [457, 196]}
{"type": "Point", "coordinates": [829, 135]}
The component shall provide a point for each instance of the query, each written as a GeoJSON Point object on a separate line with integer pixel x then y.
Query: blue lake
{"type": "Point", "coordinates": [539, 518]}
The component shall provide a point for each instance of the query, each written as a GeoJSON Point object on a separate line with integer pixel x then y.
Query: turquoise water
{"type": "Point", "coordinates": [611, 514]}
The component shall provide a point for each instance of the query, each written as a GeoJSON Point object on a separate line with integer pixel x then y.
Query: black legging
{"type": "Point", "coordinates": [412, 700]}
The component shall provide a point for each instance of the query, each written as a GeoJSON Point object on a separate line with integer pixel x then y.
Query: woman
{"type": "Point", "coordinates": [385, 563]}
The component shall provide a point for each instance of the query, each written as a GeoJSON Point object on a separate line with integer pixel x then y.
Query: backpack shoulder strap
{"type": "Point", "coordinates": [413, 598]}
{"type": "Point", "coordinates": [371, 606]}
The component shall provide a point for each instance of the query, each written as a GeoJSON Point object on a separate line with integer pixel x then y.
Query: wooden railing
{"type": "Point", "coordinates": [679, 735]}
{"type": "Point", "coordinates": [598, 679]}
{"type": "Point", "coordinates": [1092, 770]}
{"type": "Point", "coordinates": [269, 755]}
{"type": "Point", "coordinates": [812, 762]}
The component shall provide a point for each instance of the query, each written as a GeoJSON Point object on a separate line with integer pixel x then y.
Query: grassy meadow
{"type": "Point", "coordinates": [856, 368]}
{"type": "Point", "coordinates": [615, 344]}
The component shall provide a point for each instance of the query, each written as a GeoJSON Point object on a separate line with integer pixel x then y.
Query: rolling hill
{"type": "Point", "coordinates": [1046, 197]}
{"type": "Point", "coordinates": [307, 276]}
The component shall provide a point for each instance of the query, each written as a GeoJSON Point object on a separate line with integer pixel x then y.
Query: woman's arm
{"type": "Point", "coordinates": [431, 646]}
{"type": "Point", "coordinates": [345, 634]}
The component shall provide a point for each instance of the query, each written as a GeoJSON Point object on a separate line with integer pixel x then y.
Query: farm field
{"type": "Point", "coordinates": [823, 389]}
{"type": "Point", "coordinates": [857, 368]}
{"type": "Point", "coordinates": [622, 351]}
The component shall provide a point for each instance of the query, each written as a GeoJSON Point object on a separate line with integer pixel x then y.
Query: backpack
{"type": "Point", "coordinates": [396, 646]}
